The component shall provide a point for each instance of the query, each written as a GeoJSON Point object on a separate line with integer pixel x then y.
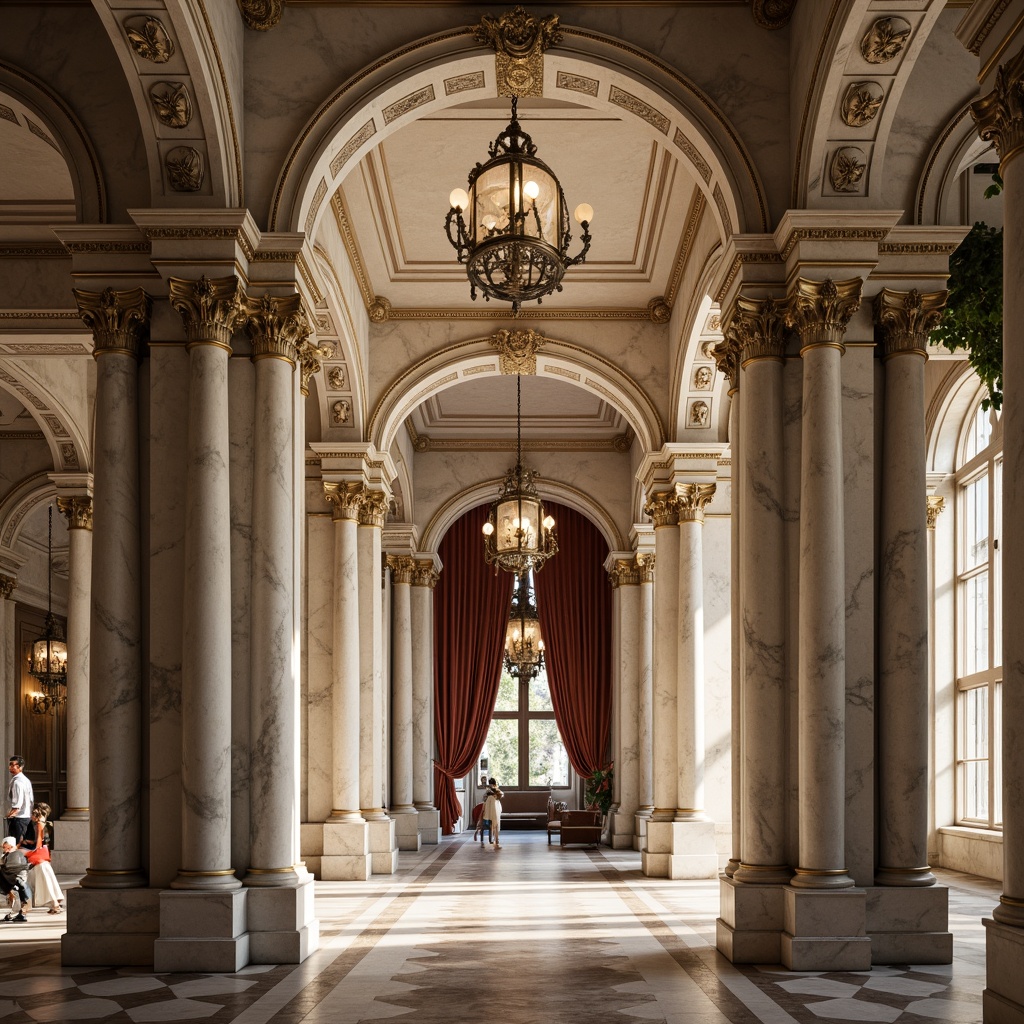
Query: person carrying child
{"type": "Point", "coordinates": [14, 878]}
{"type": "Point", "coordinates": [492, 811]}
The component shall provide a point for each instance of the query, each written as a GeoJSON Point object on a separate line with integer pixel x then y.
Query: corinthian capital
{"type": "Point", "coordinates": [935, 506]}
{"type": "Point", "coordinates": [345, 498]}
{"type": "Point", "coordinates": [7, 585]}
{"type": "Point", "coordinates": [374, 509]}
{"type": "Point", "coordinates": [276, 325]}
{"type": "Point", "coordinates": [999, 116]}
{"type": "Point", "coordinates": [820, 310]}
{"type": "Point", "coordinates": [661, 507]}
{"type": "Point", "coordinates": [402, 568]}
{"type": "Point", "coordinates": [77, 510]}
{"type": "Point", "coordinates": [425, 575]}
{"type": "Point", "coordinates": [758, 325]}
{"type": "Point", "coordinates": [116, 319]}
{"type": "Point", "coordinates": [691, 500]}
{"type": "Point", "coordinates": [210, 310]}
{"type": "Point", "coordinates": [645, 566]}
{"type": "Point", "coordinates": [906, 318]}
{"type": "Point", "coordinates": [309, 363]}
{"type": "Point", "coordinates": [726, 355]}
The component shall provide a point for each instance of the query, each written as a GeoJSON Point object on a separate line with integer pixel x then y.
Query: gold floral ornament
{"type": "Point", "coordinates": [261, 15]}
{"type": "Point", "coordinates": [149, 39]}
{"type": "Point", "coordinates": [517, 351]}
{"type": "Point", "coordinates": [861, 103]}
{"type": "Point", "coordinates": [171, 103]}
{"type": "Point", "coordinates": [885, 40]}
{"type": "Point", "coordinates": [519, 42]}
{"type": "Point", "coordinates": [847, 169]}
{"type": "Point", "coordinates": [185, 169]}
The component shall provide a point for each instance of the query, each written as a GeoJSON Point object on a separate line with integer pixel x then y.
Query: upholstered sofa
{"type": "Point", "coordinates": [580, 827]}
{"type": "Point", "coordinates": [524, 808]}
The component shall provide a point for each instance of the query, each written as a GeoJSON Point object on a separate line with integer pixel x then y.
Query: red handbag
{"type": "Point", "coordinates": [37, 856]}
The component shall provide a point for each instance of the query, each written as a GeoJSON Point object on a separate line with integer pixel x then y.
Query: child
{"type": "Point", "coordinates": [14, 878]}
{"type": "Point", "coordinates": [492, 811]}
{"type": "Point", "coordinates": [37, 851]}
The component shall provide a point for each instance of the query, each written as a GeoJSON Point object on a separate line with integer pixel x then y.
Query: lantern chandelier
{"type": "Point", "coordinates": [524, 648]}
{"type": "Point", "coordinates": [514, 237]}
{"type": "Point", "coordinates": [519, 535]}
{"type": "Point", "coordinates": [48, 660]}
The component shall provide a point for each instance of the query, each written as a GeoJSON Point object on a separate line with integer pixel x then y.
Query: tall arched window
{"type": "Point", "coordinates": [979, 639]}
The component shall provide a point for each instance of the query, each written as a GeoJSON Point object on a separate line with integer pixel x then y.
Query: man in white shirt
{"type": "Point", "coordinates": [20, 797]}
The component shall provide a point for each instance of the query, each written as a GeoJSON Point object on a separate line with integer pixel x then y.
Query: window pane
{"type": "Point", "coordinates": [549, 763]}
{"type": "Point", "coordinates": [976, 523]}
{"type": "Point", "coordinates": [502, 748]}
{"type": "Point", "coordinates": [975, 705]}
{"type": "Point", "coordinates": [978, 434]}
{"type": "Point", "coordinates": [540, 693]}
{"type": "Point", "coordinates": [508, 694]}
{"type": "Point", "coordinates": [976, 790]}
{"type": "Point", "coordinates": [976, 624]}
{"type": "Point", "coordinates": [997, 567]}
{"type": "Point", "coordinates": [997, 748]}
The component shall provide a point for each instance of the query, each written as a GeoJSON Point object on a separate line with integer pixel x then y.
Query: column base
{"type": "Point", "coordinates": [383, 851]}
{"type": "Point", "coordinates": [909, 925]}
{"type": "Point", "coordinates": [283, 927]}
{"type": "Point", "coordinates": [1003, 998]}
{"type": "Point", "coordinates": [622, 830]}
{"type": "Point", "coordinates": [825, 930]}
{"type": "Point", "coordinates": [680, 849]}
{"type": "Point", "coordinates": [429, 825]}
{"type": "Point", "coordinates": [750, 928]}
{"type": "Point", "coordinates": [202, 931]}
{"type": "Point", "coordinates": [110, 928]}
{"type": "Point", "coordinates": [407, 831]}
{"type": "Point", "coordinates": [640, 822]}
{"type": "Point", "coordinates": [71, 845]}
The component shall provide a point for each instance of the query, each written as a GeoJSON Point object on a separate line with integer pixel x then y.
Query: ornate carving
{"type": "Point", "coordinates": [185, 169]}
{"type": "Point", "coordinates": [38, 132]}
{"type": "Point", "coordinates": [464, 83]}
{"type": "Point", "coordinates": [661, 507]}
{"type": "Point", "coordinates": [171, 103]}
{"type": "Point", "coordinates": [519, 41]}
{"type": "Point", "coordinates": [645, 563]}
{"type": "Point", "coordinates": [276, 325]}
{"type": "Point", "coordinates": [999, 116]}
{"type": "Point", "coordinates": [906, 318]}
{"type": "Point", "coordinates": [309, 363]}
{"type": "Point", "coordinates": [367, 131]}
{"type": "Point", "coordinates": [885, 40]}
{"type": "Point", "coordinates": [624, 573]}
{"type": "Point", "coordinates": [518, 350]}
{"type": "Point", "coordinates": [345, 498]}
{"type": "Point", "coordinates": [772, 14]}
{"type": "Point", "coordinates": [379, 310]}
{"type": "Point", "coordinates": [846, 169]}
{"type": "Point", "coordinates": [758, 326]}
{"type": "Point", "coordinates": [327, 349]}
{"type": "Point", "coordinates": [402, 568]}
{"type": "Point", "coordinates": [700, 414]}
{"type": "Point", "coordinates": [703, 377]}
{"type": "Point", "coordinates": [820, 310]}
{"type": "Point", "coordinates": [936, 505]}
{"type": "Point", "coordinates": [691, 500]}
{"type": "Point", "coordinates": [577, 83]}
{"type": "Point", "coordinates": [336, 377]}
{"type": "Point", "coordinates": [861, 103]}
{"type": "Point", "coordinates": [77, 510]}
{"type": "Point", "coordinates": [425, 575]}
{"type": "Point", "coordinates": [341, 412]}
{"type": "Point", "coordinates": [637, 106]}
{"type": "Point", "coordinates": [374, 509]}
{"type": "Point", "coordinates": [726, 355]}
{"type": "Point", "coordinates": [210, 310]}
{"type": "Point", "coordinates": [703, 167]}
{"type": "Point", "coordinates": [261, 15]}
{"type": "Point", "coordinates": [407, 103]}
{"type": "Point", "coordinates": [149, 38]}
{"type": "Point", "coordinates": [116, 319]}
{"type": "Point", "coordinates": [7, 585]}
{"type": "Point", "coordinates": [659, 310]}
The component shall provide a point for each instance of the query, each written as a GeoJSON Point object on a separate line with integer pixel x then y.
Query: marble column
{"type": "Point", "coordinates": [346, 852]}
{"type": "Point", "coordinates": [117, 321]}
{"type": "Point", "coordinates": [424, 580]}
{"type": "Point", "coordinates": [645, 691]}
{"type": "Point", "coordinates": [77, 510]}
{"type": "Point", "coordinates": [905, 319]}
{"type": "Point", "coordinates": [820, 310]}
{"type": "Point", "coordinates": [758, 329]}
{"type": "Point", "coordinates": [8, 658]}
{"type": "Point", "coordinates": [935, 505]}
{"type": "Point", "coordinates": [402, 808]}
{"type": "Point", "coordinates": [625, 579]}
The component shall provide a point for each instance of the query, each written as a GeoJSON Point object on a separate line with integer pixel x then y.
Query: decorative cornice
{"type": "Point", "coordinates": [905, 318]}
{"type": "Point", "coordinates": [739, 260]}
{"type": "Point", "coordinates": [999, 116]}
{"type": "Point", "coordinates": [621, 443]}
{"type": "Point", "coordinates": [974, 44]}
{"type": "Point", "coordinates": [402, 567]}
{"type": "Point", "coordinates": [773, 14]}
{"type": "Point", "coordinates": [424, 574]}
{"type": "Point", "coordinates": [820, 310]}
{"type": "Point", "coordinates": [374, 509]}
{"type": "Point", "coordinates": [210, 310]}
{"type": "Point", "coordinates": [215, 234]}
{"type": "Point", "coordinates": [936, 505]}
{"type": "Point", "coordinates": [117, 319]}
{"type": "Point", "coordinates": [917, 248]}
{"type": "Point", "coordinates": [691, 500]}
{"type": "Point", "coordinates": [519, 41]}
{"type": "Point", "coordinates": [276, 326]}
{"type": "Point", "coordinates": [853, 234]}
{"type": "Point", "coordinates": [693, 219]}
{"type": "Point", "coordinates": [758, 327]}
{"type": "Point", "coordinates": [345, 498]}
{"type": "Point", "coordinates": [261, 15]}
{"type": "Point", "coordinates": [661, 508]}
{"type": "Point", "coordinates": [77, 510]}
{"type": "Point", "coordinates": [7, 585]}
{"type": "Point", "coordinates": [518, 350]}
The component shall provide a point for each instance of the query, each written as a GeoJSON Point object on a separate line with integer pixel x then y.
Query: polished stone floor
{"type": "Point", "coordinates": [526, 934]}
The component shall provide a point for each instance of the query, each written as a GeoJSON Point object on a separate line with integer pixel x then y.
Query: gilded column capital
{"type": "Point", "coordinates": [906, 318]}
{"type": "Point", "coordinates": [7, 585]}
{"type": "Point", "coordinates": [210, 310]}
{"type": "Point", "coordinates": [517, 351]}
{"type": "Point", "coordinates": [726, 355]}
{"type": "Point", "coordinates": [345, 498]}
{"type": "Point", "coordinates": [309, 363]}
{"type": "Point", "coordinates": [936, 506]}
{"type": "Point", "coordinates": [374, 509]}
{"type": "Point", "coordinates": [999, 116]}
{"type": "Point", "coordinates": [661, 507]}
{"type": "Point", "coordinates": [117, 319]}
{"type": "Point", "coordinates": [77, 510]}
{"type": "Point", "coordinates": [759, 328]}
{"type": "Point", "coordinates": [402, 567]}
{"type": "Point", "coordinates": [276, 326]}
{"type": "Point", "coordinates": [424, 574]}
{"type": "Point", "coordinates": [624, 573]}
{"type": "Point", "coordinates": [691, 500]}
{"type": "Point", "coordinates": [645, 566]}
{"type": "Point", "coordinates": [820, 310]}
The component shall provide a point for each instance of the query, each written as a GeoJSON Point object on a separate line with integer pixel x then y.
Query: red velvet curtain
{"type": "Point", "coordinates": [471, 607]}
{"type": "Point", "coordinates": [574, 603]}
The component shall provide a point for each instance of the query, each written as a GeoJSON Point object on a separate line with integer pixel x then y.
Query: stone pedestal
{"type": "Point", "coordinates": [110, 926]}
{"type": "Point", "coordinates": [346, 852]}
{"type": "Point", "coordinates": [1003, 998]}
{"type": "Point", "coordinates": [909, 924]}
{"type": "Point", "coordinates": [70, 846]}
{"type": "Point", "coordinates": [750, 928]}
{"type": "Point", "coordinates": [202, 931]}
{"type": "Point", "coordinates": [621, 829]}
{"type": "Point", "coordinates": [680, 849]}
{"type": "Point", "coordinates": [407, 832]}
{"type": "Point", "coordinates": [825, 930]}
{"type": "Point", "coordinates": [430, 825]}
{"type": "Point", "coordinates": [283, 927]}
{"type": "Point", "coordinates": [383, 852]}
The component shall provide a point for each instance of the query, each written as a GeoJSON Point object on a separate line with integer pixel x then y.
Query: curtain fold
{"type": "Point", "coordinates": [471, 606]}
{"type": "Point", "coordinates": [574, 604]}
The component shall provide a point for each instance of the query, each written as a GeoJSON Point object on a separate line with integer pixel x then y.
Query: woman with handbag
{"type": "Point", "coordinates": [36, 844]}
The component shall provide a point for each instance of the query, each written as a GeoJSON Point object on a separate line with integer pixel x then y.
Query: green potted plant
{"type": "Point", "coordinates": [598, 793]}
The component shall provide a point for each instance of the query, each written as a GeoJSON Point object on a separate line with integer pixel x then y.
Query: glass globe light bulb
{"type": "Point", "coordinates": [459, 197]}
{"type": "Point", "coordinates": [549, 523]}
{"type": "Point", "coordinates": [531, 189]}
{"type": "Point", "coordinates": [488, 529]}
{"type": "Point", "coordinates": [584, 213]}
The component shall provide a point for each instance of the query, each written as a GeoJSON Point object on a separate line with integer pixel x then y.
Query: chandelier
{"type": "Point", "coordinates": [524, 648]}
{"type": "Point", "coordinates": [48, 660]}
{"type": "Point", "coordinates": [514, 237]}
{"type": "Point", "coordinates": [518, 535]}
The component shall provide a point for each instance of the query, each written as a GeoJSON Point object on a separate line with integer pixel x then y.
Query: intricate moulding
{"type": "Point", "coordinates": [659, 310]}
{"type": "Point", "coordinates": [149, 38]}
{"type": "Point", "coordinates": [261, 15]}
{"type": "Point", "coordinates": [210, 310]}
{"type": "Point", "coordinates": [692, 499]}
{"type": "Point", "coordinates": [116, 319]}
{"type": "Point", "coordinates": [518, 350]}
{"type": "Point", "coordinates": [757, 328]}
{"type": "Point", "coordinates": [464, 83]}
{"type": "Point", "coordinates": [309, 363]}
{"type": "Point", "coordinates": [999, 116]}
{"type": "Point", "coordinates": [171, 103]}
{"type": "Point", "coordinates": [77, 510]}
{"type": "Point", "coordinates": [820, 310]}
{"type": "Point", "coordinates": [936, 504]}
{"type": "Point", "coordinates": [773, 14]}
{"type": "Point", "coordinates": [276, 325]}
{"type": "Point", "coordinates": [519, 41]}
{"type": "Point", "coordinates": [698, 415]}
{"type": "Point", "coordinates": [907, 317]}
{"type": "Point", "coordinates": [703, 378]}
{"type": "Point", "coordinates": [407, 103]}
{"type": "Point", "coordinates": [185, 169]}
{"type": "Point", "coordinates": [379, 310]}
{"type": "Point", "coordinates": [336, 377]}
{"type": "Point", "coordinates": [577, 83]}
{"type": "Point", "coordinates": [846, 169]}
{"type": "Point", "coordinates": [643, 110]}
{"type": "Point", "coordinates": [341, 413]}
{"type": "Point", "coordinates": [861, 103]}
{"type": "Point", "coordinates": [885, 40]}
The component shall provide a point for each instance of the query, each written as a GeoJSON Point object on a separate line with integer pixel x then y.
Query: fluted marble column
{"type": "Point", "coordinates": [115, 700]}
{"type": "Point", "coordinates": [276, 326]}
{"type": "Point", "coordinates": [757, 328]}
{"type": "Point", "coordinates": [645, 687]}
{"type": "Point", "coordinates": [820, 310]}
{"type": "Point", "coordinates": [691, 500]}
{"type": "Point", "coordinates": [402, 568]}
{"type": "Point", "coordinates": [78, 512]}
{"type": "Point", "coordinates": [625, 579]}
{"type": "Point", "coordinates": [210, 310]}
{"type": "Point", "coordinates": [902, 696]}
{"type": "Point", "coordinates": [424, 580]}
{"type": "Point", "coordinates": [345, 499]}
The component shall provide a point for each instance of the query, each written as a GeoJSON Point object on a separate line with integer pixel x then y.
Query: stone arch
{"type": "Point", "coordinates": [23, 499]}
{"type": "Point", "coordinates": [483, 493]}
{"type": "Point", "coordinates": [477, 357]}
{"type": "Point", "coordinates": [954, 398]}
{"type": "Point", "coordinates": [587, 68]}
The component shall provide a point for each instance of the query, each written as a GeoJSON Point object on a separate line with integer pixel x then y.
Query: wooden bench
{"type": "Point", "coordinates": [524, 808]}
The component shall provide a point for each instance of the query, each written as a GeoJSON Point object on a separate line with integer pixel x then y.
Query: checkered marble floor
{"type": "Point", "coordinates": [529, 934]}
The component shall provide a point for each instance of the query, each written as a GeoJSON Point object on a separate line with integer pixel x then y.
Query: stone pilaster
{"type": "Point", "coordinates": [402, 808]}
{"type": "Point", "coordinates": [645, 696]}
{"type": "Point", "coordinates": [624, 576]}
{"type": "Point", "coordinates": [424, 580]}
{"type": "Point", "coordinates": [8, 584]}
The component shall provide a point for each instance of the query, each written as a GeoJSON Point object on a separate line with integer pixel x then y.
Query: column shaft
{"type": "Point", "coordinates": [736, 632]}
{"type": "Point", "coordinates": [401, 686]}
{"type": "Point", "coordinates": [371, 613]}
{"type": "Point", "coordinates": [645, 688]}
{"type": "Point", "coordinates": [627, 765]}
{"type": "Point", "coordinates": [422, 686]}
{"type": "Point", "coordinates": [665, 680]}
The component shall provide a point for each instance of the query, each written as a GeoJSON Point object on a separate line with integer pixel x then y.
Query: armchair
{"type": "Point", "coordinates": [580, 827]}
{"type": "Point", "coordinates": [556, 808]}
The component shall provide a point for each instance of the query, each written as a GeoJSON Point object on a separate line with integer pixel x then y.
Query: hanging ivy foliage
{"type": "Point", "coordinates": [974, 309]}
